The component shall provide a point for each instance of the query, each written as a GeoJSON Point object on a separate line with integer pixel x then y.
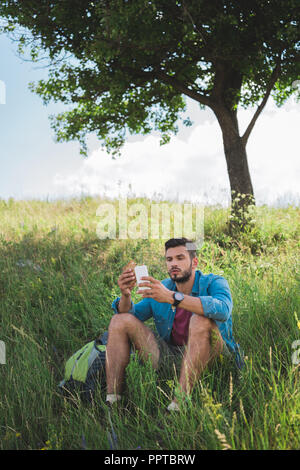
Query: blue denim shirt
{"type": "Point", "coordinates": [216, 300]}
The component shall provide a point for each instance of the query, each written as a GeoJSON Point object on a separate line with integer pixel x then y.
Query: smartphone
{"type": "Point", "coordinates": [141, 271]}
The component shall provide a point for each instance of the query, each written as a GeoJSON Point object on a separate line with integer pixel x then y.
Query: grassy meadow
{"type": "Point", "coordinates": [57, 283]}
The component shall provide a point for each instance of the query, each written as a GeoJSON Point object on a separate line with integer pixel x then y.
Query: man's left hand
{"type": "Point", "coordinates": [156, 290]}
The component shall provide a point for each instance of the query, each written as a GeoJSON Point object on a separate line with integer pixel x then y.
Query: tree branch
{"type": "Point", "coordinates": [167, 79]}
{"type": "Point", "coordinates": [183, 89]}
{"type": "Point", "coordinates": [195, 27]}
{"type": "Point", "coordinates": [273, 79]}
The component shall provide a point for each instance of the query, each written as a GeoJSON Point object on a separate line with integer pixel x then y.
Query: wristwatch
{"type": "Point", "coordinates": [178, 297]}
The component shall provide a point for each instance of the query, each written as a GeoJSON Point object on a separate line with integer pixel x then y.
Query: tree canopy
{"type": "Point", "coordinates": [127, 65]}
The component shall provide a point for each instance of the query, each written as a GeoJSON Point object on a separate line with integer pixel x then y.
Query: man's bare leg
{"type": "Point", "coordinates": [199, 352]}
{"type": "Point", "coordinates": [124, 328]}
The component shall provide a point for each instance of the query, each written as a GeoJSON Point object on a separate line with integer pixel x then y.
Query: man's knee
{"type": "Point", "coordinates": [200, 326]}
{"type": "Point", "coordinates": [123, 321]}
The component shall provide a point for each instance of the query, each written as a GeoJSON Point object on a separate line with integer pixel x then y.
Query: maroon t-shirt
{"type": "Point", "coordinates": [180, 330]}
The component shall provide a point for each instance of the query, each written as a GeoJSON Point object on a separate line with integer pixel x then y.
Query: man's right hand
{"type": "Point", "coordinates": [127, 282]}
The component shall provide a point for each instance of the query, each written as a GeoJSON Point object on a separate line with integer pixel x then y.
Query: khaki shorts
{"type": "Point", "coordinates": [171, 355]}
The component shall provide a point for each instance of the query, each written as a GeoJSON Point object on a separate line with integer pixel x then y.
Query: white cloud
{"type": "Point", "coordinates": [273, 153]}
{"type": "Point", "coordinates": [195, 168]}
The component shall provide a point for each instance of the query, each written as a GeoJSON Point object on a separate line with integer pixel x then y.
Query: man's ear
{"type": "Point", "coordinates": [195, 262]}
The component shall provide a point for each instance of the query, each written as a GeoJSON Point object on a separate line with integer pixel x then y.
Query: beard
{"type": "Point", "coordinates": [183, 276]}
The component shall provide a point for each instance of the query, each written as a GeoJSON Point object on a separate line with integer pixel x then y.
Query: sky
{"type": "Point", "coordinates": [191, 167]}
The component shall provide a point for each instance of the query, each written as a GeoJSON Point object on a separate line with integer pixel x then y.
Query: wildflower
{"type": "Point", "coordinates": [18, 434]}
{"type": "Point", "coordinates": [298, 321]}
{"type": "Point", "coordinates": [170, 384]}
{"type": "Point", "coordinates": [47, 446]}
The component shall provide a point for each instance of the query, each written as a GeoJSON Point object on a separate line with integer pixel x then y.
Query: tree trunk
{"type": "Point", "coordinates": [242, 195]}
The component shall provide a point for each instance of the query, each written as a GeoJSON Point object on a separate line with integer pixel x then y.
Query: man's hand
{"type": "Point", "coordinates": [126, 282]}
{"type": "Point", "coordinates": [156, 291]}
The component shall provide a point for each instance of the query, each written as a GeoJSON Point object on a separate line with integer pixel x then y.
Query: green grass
{"type": "Point", "coordinates": [52, 307]}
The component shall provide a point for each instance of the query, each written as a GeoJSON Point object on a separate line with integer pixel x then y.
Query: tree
{"type": "Point", "coordinates": [126, 66]}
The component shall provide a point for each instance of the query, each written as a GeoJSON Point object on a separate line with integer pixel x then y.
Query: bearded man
{"type": "Point", "coordinates": [192, 315]}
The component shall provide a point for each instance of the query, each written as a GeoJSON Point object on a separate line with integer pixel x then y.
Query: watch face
{"type": "Point", "coordinates": [179, 296]}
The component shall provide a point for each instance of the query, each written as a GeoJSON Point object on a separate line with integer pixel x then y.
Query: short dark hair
{"type": "Point", "coordinates": [189, 244]}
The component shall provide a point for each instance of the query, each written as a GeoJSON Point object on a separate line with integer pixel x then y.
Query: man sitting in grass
{"type": "Point", "coordinates": [192, 315]}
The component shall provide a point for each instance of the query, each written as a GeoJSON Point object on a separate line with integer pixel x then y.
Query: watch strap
{"type": "Point", "coordinates": [176, 301]}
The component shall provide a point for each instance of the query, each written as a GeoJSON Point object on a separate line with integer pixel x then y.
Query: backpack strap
{"type": "Point", "coordinates": [103, 339]}
{"type": "Point", "coordinates": [77, 359]}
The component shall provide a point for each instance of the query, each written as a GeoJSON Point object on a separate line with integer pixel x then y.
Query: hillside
{"type": "Point", "coordinates": [57, 283]}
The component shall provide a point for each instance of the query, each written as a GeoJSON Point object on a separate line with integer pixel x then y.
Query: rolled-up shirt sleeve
{"type": "Point", "coordinates": [115, 304]}
{"type": "Point", "coordinates": [142, 310]}
{"type": "Point", "coordinates": [218, 304]}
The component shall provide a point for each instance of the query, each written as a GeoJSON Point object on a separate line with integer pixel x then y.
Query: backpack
{"type": "Point", "coordinates": [85, 369]}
